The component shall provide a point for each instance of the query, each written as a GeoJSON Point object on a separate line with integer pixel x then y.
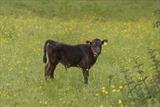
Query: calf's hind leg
{"type": "Point", "coordinates": [54, 62]}
{"type": "Point", "coordinates": [47, 71]}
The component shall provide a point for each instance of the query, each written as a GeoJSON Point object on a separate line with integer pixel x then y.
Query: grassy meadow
{"type": "Point", "coordinates": [127, 73]}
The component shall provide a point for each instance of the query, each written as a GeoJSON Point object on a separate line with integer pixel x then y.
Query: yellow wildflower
{"type": "Point", "coordinates": [114, 90]}
{"type": "Point", "coordinates": [97, 94]}
{"type": "Point", "coordinates": [103, 88]}
{"type": "Point", "coordinates": [120, 101]}
{"type": "Point", "coordinates": [101, 106]}
{"type": "Point", "coordinates": [120, 87]}
{"type": "Point", "coordinates": [45, 103]}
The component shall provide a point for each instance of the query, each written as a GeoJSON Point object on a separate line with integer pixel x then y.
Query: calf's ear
{"type": "Point", "coordinates": [104, 42]}
{"type": "Point", "coordinates": [88, 42]}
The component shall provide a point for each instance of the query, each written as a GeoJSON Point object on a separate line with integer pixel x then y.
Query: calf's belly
{"type": "Point", "coordinates": [70, 63]}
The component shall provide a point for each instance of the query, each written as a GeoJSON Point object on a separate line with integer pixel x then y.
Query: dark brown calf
{"type": "Point", "coordinates": [80, 55]}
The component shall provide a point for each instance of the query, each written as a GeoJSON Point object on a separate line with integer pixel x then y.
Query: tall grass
{"type": "Point", "coordinates": [126, 73]}
{"type": "Point", "coordinates": [104, 9]}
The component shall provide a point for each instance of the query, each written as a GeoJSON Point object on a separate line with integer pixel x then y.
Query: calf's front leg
{"type": "Point", "coordinates": [85, 75]}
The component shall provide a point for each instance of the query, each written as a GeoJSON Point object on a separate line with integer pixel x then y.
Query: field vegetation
{"type": "Point", "coordinates": [127, 73]}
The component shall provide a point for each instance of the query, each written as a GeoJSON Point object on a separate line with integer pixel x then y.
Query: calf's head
{"type": "Point", "coordinates": [96, 45]}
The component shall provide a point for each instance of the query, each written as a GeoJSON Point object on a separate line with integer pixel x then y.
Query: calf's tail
{"type": "Point", "coordinates": [44, 50]}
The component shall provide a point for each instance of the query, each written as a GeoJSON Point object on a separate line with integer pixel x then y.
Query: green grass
{"type": "Point", "coordinates": [26, 25]}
